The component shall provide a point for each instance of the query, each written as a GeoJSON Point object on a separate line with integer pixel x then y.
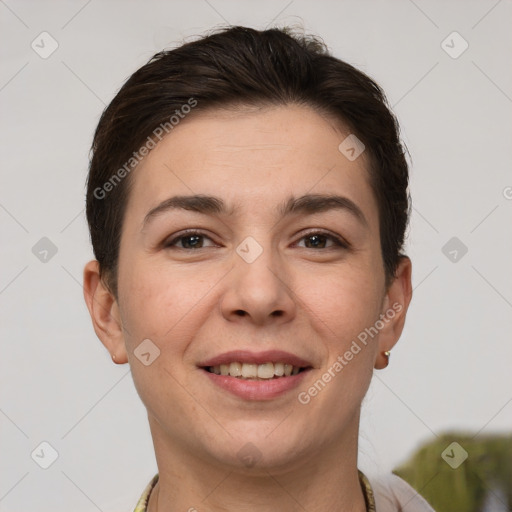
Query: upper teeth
{"type": "Point", "coordinates": [254, 371]}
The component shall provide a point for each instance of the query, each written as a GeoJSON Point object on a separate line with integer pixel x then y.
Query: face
{"type": "Point", "coordinates": [258, 274]}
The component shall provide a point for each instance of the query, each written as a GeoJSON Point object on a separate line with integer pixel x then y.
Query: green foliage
{"type": "Point", "coordinates": [462, 489]}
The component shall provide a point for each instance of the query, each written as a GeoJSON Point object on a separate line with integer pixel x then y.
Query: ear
{"type": "Point", "coordinates": [395, 305]}
{"type": "Point", "coordinates": [104, 311]}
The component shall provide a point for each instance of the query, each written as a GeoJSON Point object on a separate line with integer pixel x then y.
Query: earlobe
{"type": "Point", "coordinates": [104, 312]}
{"type": "Point", "coordinates": [382, 360]}
{"type": "Point", "coordinates": [395, 306]}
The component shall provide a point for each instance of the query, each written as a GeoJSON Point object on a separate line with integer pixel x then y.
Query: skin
{"type": "Point", "coordinates": [309, 300]}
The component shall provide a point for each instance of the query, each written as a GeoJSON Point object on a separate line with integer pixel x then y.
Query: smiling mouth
{"type": "Point", "coordinates": [251, 371]}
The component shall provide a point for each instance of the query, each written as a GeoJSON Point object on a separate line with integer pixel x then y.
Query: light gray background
{"type": "Point", "coordinates": [451, 369]}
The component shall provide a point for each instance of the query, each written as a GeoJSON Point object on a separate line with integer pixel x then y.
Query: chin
{"type": "Point", "coordinates": [254, 451]}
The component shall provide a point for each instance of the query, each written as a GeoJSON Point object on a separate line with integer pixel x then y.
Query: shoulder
{"type": "Point", "coordinates": [392, 494]}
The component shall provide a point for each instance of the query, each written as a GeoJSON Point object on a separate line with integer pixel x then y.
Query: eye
{"type": "Point", "coordinates": [190, 239]}
{"type": "Point", "coordinates": [193, 239]}
{"type": "Point", "coordinates": [319, 240]}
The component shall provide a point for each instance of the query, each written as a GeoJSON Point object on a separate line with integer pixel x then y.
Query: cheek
{"type": "Point", "coordinates": [343, 303]}
{"type": "Point", "coordinates": [159, 304]}
{"type": "Point", "coordinates": [340, 311]}
{"type": "Point", "coordinates": [156, 306]}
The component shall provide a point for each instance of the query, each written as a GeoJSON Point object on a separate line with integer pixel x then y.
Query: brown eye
{"type": "Point", "coordinates": [316, 241]}
{"type": "Point", "coordinates": [320, 240]}
{"type": "Point", "coordinates": [188, 240]}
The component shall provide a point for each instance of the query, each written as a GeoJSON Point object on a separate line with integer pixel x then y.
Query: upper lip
{"type": "Point", "coordinates": [245, 356]}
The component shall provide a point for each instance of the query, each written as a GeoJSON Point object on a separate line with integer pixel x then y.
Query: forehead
{"type": "Point", "coordinates": [253, 160]}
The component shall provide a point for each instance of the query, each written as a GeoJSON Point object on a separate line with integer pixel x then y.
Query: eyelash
{"type": "Point", "coordinates": [339, 242]}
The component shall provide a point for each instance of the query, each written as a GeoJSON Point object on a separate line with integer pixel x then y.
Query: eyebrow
{"type": "Point", "coordinates": [306, 204]}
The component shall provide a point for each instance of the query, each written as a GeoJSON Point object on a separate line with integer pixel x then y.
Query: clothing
{"type": "Point", "coordinates": [392, 494]}
{"type": "Point", "coordinates": [143, 501]}
{"type": "Point", "coordinates": [388, 494]}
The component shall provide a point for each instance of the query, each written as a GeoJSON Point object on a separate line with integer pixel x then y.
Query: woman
{"type": "Point", "coordinates": [247, 202]}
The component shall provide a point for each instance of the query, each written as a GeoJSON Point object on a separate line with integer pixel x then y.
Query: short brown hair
{"type": "Point", "coordinates": [242, 66]}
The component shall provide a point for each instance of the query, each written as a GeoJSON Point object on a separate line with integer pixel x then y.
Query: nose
{"type": "Point", "coordinates": [259, 291]}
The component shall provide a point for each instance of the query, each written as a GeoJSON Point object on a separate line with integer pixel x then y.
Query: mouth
{"type": "Point", "coordinates": [250, 371]}
{"type": "Point", "coordinates": [256, 376]}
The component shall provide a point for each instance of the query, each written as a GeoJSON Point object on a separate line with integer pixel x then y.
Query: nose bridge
{"type": "Point", "coordinates": [258, 264]}
{"type": "Point", "coordinates": [258, 285]}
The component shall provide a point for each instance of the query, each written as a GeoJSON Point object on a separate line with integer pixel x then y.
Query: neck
{"type": "Point", "coordinates": [325, 479]}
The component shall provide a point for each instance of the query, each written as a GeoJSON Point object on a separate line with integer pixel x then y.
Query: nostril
{"type": "Point", "coordinates": [240, 312]}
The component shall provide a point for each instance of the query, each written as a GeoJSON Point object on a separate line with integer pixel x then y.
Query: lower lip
{"type": "Point", "coordinates": [257, 389]}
